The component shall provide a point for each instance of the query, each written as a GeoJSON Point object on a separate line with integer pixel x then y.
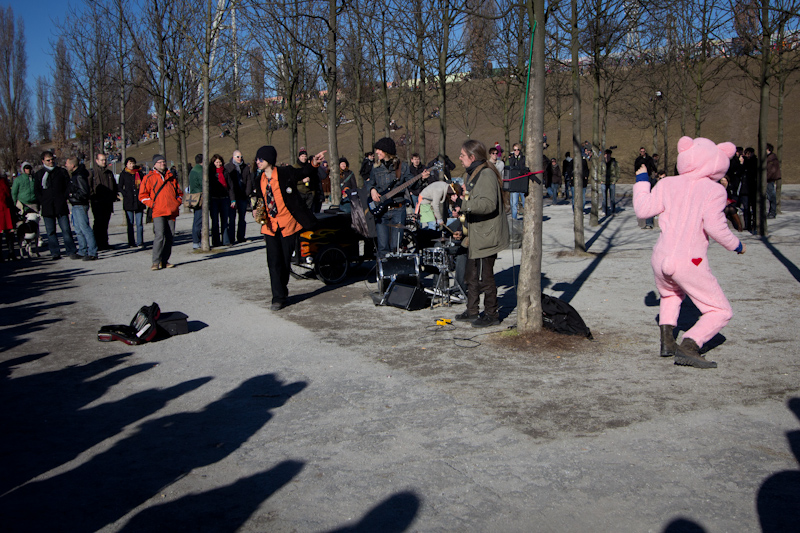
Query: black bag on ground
{"type": "Point", "coordinates": [559, 316]}
{"type": "Point", "coordinates": [141, 329]}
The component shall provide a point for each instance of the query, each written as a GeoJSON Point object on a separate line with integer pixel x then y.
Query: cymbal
{"type": "Point", "coordinates": [398, 226]}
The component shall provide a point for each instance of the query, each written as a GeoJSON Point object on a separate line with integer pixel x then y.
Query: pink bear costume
{"type": "Point", "coordinates": [690, 206]}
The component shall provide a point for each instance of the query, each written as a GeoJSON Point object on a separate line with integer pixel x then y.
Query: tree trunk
{"type": "Point", "coordinates": [577, 159]}
{"type": "Point", "coordinates": [419, 27]}
{"type": "Point", "coordinates": [763, 121]}
{"type": "Point", "coordinates": [206, 81]}
{"type": "Point", "coordinates": [529, 293]}
{"type": "Point", "coordinates": [595, 170]}
{"type": "Point", "coordinates": [333, 144]}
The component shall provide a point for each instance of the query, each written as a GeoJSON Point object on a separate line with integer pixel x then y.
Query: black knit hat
{"type": "Point", "coordinates": [302, 152]}
{"type": "Point", "coordinates": [344, 160]}
{"type": "Point", "coordinates": [385, 144]}
{"type": "Point", "coordinates": [268, 154]}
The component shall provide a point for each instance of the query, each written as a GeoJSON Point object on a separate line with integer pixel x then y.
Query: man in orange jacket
{"type": "Point", "coordinates": [161, 192]}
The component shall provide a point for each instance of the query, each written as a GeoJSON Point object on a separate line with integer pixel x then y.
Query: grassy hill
{"type": "Point", "coordinates": [732, 116]}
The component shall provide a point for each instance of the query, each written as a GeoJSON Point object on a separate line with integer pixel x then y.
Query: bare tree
{"type": "Point", "coordinates": [13, 93]}
{"type": "Point", "coordinates": [529, 293]}
{"type": "Point", "coordinates": [759, 23]}
{"type": "Point", "coordinates": [605, 35]}
{"type": "Point", "coordinates": [42, 109]}
{"type": "Point", "coordinates": [508, 80]}
{"type": "Point", "coordinates": [63, 95]}
{"type": "Point", "coordinates": [577, 161]}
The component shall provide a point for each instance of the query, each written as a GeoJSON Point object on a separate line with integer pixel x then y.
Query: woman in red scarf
{"type": "Point", "coordinates": [222, 198]}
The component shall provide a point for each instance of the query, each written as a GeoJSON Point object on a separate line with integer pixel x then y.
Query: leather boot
{"type": "Point", "coordinates": [668, 344]}
{"type": "Point", "coordinates": [688, 354]}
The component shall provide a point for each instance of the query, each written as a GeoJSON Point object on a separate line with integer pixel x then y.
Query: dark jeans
{"type": "Point", "coordinates": [134, 220]}
{"type": "Point", "coordinates": [279, 257]}
{"type": "Point", "coordinates": [197, 227]}
{"type": "Point", "coordinates": [66, 234]}
{"type": "Point", "coordinates": [748, 212]}
{"type": "Point", "coordinates": [163, 230]}
{"type": "Point", "coordinates": [609, 194]}
{"type": "Point", "coordinates": [219, 221]}
{"type": "Point", "coordinates": [389, 237]}
{"type": "Point", "coordinates": [239, 211]}
{"type": "Point", "coordinates": [772, 198]}
{"type": "Point", "coordinates": [479, 277]}
{"type": "Point", "coordinates": [102, 216]}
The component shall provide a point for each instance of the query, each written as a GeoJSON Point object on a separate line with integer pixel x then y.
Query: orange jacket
{"type": "Point", "coordinates": [168, 201]}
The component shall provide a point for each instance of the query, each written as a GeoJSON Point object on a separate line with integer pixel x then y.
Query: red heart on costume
{"type": "Point", "coordinates": [697, 261]}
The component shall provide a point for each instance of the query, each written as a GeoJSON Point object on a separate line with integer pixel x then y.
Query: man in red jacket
{"type": "Point", "coordinates": [161, 192]}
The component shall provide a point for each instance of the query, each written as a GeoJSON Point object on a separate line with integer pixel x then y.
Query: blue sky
{"type": "Point", "coordinates": [42, 18]}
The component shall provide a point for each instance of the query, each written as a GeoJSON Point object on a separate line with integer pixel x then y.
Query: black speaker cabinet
{"type": "Point", "coordinates": [407, 297]}
{"type": "Point", "coordinates": [512, 181]}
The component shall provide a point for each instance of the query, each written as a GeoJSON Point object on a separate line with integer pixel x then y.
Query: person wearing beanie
{"type": "Point", "coordinates": [161, 192]}
{"type": "Point", "coordinates": [286, 215]}
{"type": "Point", "coordinates": [387, 173]}
{"type": "Point", "coordinates": [349, 184]}
{"type": "Point", "coordinates": [307, 185]}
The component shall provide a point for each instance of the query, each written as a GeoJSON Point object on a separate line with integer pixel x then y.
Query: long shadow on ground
{"type": "Point", "coordinates": [160, 452]}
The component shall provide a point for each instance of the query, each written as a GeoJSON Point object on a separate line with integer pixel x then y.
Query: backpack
{"type": "Point", "coordinates": [141, 329]}
{"type": "Point", "coordinates": [559, 316]}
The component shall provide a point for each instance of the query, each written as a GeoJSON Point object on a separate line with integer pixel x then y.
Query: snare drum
{"type": "Point", "coordinates": [436, 257]}
{"type": "Point", "coordinates": [400, 267]}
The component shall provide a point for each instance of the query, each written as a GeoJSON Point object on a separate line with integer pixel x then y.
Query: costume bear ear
{"type": "Point", "coordinates": [684, 143]}
{"type": "Point", "coordinates": [727, 148]}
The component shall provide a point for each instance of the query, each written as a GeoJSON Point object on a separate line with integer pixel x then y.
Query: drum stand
{"type": "Point", "coordinates": [442, 292]}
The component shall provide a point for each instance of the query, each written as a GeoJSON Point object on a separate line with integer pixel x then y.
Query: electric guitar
{"type": "Point", "coordinates": [379, 208]}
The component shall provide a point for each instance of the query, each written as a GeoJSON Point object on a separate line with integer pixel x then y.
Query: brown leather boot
{"type": "Point", "coordinates": [688, 354]}
{"type": "Point", "coordinates": [668, 344]}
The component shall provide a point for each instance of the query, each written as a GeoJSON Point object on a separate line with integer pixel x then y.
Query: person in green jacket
{"type": "Point", "coordinates": [22, 191]}
{"type": "Point", "coordinates": [196, 186]}
{"type": "Point", "coordinates": [486, 227]}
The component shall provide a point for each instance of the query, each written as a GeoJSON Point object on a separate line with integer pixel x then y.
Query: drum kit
{"type": "Point", "coordinates": [407, 268]}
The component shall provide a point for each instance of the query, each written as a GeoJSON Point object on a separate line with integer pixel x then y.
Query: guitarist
{"type": "Point", "coordinates": [484, 209]}
{"type": "Point", "coordinates": [387, 173]}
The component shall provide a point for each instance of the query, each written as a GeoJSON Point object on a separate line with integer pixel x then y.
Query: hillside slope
{"type": "Point", "coordinates": [731, 117]}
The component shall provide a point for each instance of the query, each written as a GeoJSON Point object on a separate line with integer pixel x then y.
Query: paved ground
{"type": "Point", "coordinates": [335, 415]}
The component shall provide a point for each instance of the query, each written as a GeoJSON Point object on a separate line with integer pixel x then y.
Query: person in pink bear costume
{"type": "Point", "coordinates": [690, 208]}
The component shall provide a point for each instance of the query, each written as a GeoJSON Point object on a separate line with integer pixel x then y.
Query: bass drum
{"type": "Point", "coordinates": [404, 268]}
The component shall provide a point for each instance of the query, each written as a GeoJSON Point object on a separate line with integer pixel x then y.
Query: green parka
{"type": "Point", "coordinates": [486, 219]}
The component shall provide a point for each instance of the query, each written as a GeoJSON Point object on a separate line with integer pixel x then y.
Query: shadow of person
{"type": "Point", "coordinates": [47, 422]}
{"type": "Point", "coordinates": [222, 509]}
{"type": "Point", "coordinates": [684, 525]}
{"type": "Point", "coordinates": [159, 452]}
{"type": "Point", "coordinates": [393, 515]}
{"type": "Point", "coordinates": [778, 499]}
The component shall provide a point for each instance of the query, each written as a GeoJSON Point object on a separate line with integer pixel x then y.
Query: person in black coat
{"type": "Point", "coordinates": [223, 199]}
{"type": "Point", "coordinates": [366, 167]}
{"type": "Point", "coordinates": [286, 215]}
{"type": "Point", "coordinates": [51, 185]}
{"type": "Point", "coordinates": [242, 182]}
{"type": "Point", "coordinates": [748, 188]}
{"type": "Point", "coordinates": [130, 179]}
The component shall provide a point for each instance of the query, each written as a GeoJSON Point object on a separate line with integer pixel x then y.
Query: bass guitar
{"type": "Point", "coordinates": [379, 208]}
